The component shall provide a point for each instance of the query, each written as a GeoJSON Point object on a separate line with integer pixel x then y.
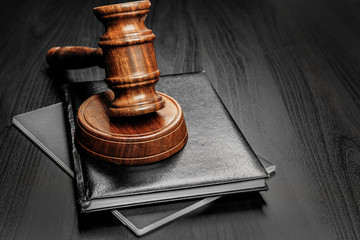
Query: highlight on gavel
{"type": "Point", "coordinates": [131, 123]}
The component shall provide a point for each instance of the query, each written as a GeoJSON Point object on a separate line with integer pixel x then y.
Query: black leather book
{"type": "Point", "coordinates": [46, 127]}
{"type": "Point", "coordinates": [217, 160]}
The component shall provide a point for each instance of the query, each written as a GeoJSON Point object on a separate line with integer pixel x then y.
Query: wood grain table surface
{"type": "Point", "coordinates": [287, 70]}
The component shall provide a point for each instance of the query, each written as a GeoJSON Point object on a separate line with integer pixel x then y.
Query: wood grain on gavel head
{"type": "Point", "coordinates": [127, 54]}
{"type": "Point", "coordinates": [129, 58]}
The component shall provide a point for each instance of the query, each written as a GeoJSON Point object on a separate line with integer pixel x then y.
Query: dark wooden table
{"type": "Point", "coordinates": [287, 70]}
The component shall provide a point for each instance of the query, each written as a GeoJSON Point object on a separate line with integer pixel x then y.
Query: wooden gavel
{"type": "Point", "coordinates": [126, 51]}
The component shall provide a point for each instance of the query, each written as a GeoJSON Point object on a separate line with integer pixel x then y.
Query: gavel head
{"type": "Point", "coordinates": [129, 59]}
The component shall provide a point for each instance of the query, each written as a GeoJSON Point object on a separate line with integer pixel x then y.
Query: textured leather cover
{"type": "Point", "coordinates": [216, 152]}
{"type": "Point", "coordinates": [46, 127]}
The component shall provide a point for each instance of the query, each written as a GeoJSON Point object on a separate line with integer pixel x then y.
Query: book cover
{"type": "Point", "coordinates": [217, 159]}
{"type": "Point", "coordinates": [46, 127]}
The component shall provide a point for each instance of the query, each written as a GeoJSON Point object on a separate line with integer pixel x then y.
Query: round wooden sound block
{"type": "Point", "coordinates": [129, 140]}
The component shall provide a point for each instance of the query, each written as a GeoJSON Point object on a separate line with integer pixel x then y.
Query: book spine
{"type": "Point", "coordinates": [68, 108]}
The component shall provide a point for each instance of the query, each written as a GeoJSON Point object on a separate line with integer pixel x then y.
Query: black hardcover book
{"type": "Point", "coordinates": [46, 127]}
{"type": "Point", "coordinates": [217, 159]}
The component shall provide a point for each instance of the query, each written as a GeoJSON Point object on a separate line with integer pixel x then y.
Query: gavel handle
{"type": "Point", "coordinates": [74, 57]}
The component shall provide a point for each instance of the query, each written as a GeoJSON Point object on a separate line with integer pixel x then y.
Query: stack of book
{"type": "Point", "coordinates": [216, 161]}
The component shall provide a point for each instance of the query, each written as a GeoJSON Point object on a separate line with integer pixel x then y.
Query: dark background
{"type": "Point", "coordinates": [288, 71]}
